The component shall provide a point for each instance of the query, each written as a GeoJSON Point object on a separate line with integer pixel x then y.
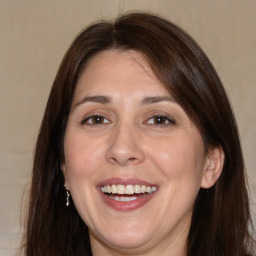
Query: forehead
{"type": "Point", "coordinates": [119, 58]}
{"type": "Point", "coordinates": [121, 70]}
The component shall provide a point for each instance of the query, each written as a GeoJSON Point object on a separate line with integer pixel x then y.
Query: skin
{"type": "Point", "coordinates": [129, 143]}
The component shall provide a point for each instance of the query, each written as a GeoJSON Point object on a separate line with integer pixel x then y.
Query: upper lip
{"type": "Point", "coordinates": [125, 181]}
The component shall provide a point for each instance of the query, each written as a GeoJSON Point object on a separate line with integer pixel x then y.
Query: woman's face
{"type": "Point", "coordinates": [134, 162]}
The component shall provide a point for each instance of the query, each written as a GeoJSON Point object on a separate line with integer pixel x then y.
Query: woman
{"type": "Point", "coordinates": [138, 152]}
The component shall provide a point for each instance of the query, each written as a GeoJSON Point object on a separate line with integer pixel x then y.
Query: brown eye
{"type": "Point", "coordinates": [160, 120]}
{"type": "Point", "coordinates": [95, 120]}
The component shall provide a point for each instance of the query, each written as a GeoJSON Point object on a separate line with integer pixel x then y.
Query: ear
{"type": "Point", "coordinates": [213, 167]}
{"type": "Point", "coordinates": [66, 184]}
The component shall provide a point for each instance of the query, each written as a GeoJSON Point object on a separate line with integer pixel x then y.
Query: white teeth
{"type": "Point", "coordinates": [120, 189]}
{"type": "Point", "coordinates": [113, 189]}
{"type": "Point", "coordinates": [108, 189]}
{"type": "Point", "coordinates": [154, 189]}
{"type": "Point", "coordinates": [143, 189]}
{"type": "Point", "coordinates": [137, 189]}
{"type": "Point", "coordinates": [123, 199]}
{"type": "Point", "coordinates": [148, 190]}
{"type": "Point", "coordinates": [128, 189]}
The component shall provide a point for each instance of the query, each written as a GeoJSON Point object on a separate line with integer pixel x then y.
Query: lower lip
{"type": "Point", "coordinates": [127, 206]}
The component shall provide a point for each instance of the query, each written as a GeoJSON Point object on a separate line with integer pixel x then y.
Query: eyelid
{"type": "Point", "coordinates": [86, 118]}
{"type": "Point", "coordinates": [171, 120]}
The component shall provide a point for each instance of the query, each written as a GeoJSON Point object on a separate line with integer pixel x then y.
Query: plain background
{"type": "Point", "coordinates": [34, 36]}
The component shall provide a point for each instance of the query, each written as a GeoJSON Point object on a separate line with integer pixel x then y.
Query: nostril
{"type": "Point", "coordinates": [132, 160]}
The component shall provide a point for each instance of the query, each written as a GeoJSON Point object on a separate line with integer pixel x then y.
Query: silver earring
{"type": "Point", "coordinates": [68, 196]}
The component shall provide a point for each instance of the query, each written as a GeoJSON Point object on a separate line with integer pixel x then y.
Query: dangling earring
{"type": "Point", "coordinates": [68, 196]}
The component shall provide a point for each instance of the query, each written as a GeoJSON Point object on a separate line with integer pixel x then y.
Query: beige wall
{"type": "Point", "coordinates": [33, 38]}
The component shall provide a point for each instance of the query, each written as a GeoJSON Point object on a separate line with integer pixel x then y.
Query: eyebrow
{"type": "Point", "coordinates": [97, 99]}
{"type": "Point", "coordinates": [106, 100]}
{"type": "Point", "coordinates": [156, 99]}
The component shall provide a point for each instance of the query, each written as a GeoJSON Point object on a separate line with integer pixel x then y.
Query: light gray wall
{"type": "Point", "coordinates": [33, 38]}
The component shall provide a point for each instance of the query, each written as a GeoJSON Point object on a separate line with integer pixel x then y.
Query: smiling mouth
{"type": "Point", "coordinates": [127, 193]}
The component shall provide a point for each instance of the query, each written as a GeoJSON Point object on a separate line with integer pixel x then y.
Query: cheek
{"type": "Point", "coordinates": [179, 157]}
{"type": "Point", "coordinates": [82, 156]}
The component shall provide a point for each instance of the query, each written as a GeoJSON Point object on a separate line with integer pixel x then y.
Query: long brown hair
{"type": "Point", "coordinates": [221, 216]}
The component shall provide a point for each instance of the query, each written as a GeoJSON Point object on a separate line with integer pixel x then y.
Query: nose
{"type": "Point", "coordinates": [125, 147]}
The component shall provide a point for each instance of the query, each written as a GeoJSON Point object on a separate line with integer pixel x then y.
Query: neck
{"type": "Point", "coordinates": [108, 251]}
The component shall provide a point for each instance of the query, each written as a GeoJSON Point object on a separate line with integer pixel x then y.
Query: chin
{"type": "Point", "coordinates": [124, 240]}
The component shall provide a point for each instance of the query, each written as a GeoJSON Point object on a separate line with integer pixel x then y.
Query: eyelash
{"type": "Point", "coordinates": [162, 119]}
{"type": "Point", "coordinates": [86, 120]}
